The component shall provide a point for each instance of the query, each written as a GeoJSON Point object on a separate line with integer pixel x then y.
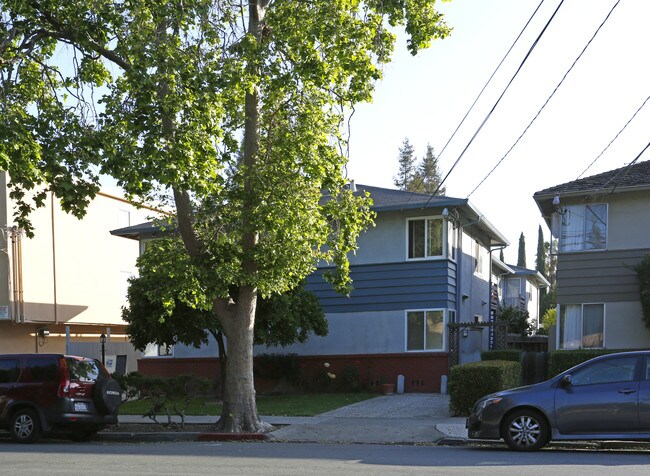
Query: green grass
{"type": "Point", "coordinates": [309, 404]}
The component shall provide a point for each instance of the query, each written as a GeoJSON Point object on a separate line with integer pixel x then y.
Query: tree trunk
{"type": "Point", "coordinates": [239, 413]}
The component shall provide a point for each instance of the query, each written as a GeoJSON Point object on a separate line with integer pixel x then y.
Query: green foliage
{"type": "Point", "coordinates": [540, 258]}
{"type": "Point", "coordinates": [549, 319]}
{"type": "Point", "coordinates": [165, 395]}
{"type": "Point", "coordinates": [350, 379]}
{"type": "Point", "coordinates": [424, 177]}
{"type": "Point", "coordinates": [277, 367]}
{"type": "Point", "coordinates": [548, 300]}
{"type": "Point", "coordinates": [406, 169]}
{"type": "Point", "coordinates": [188, 318]}
{"type": "Point", "coordinates": [561, 360]}
{"type": "Point", "coordinates": [469, 382]}
{"type": "Point", "coordinates": [643, 275]}
{"type": "Point", "coordinates": [521, 251]}
{"type": "Point", "coordinates": [516, 320]}
{"type": "Point", "coordinates": [513, 355]}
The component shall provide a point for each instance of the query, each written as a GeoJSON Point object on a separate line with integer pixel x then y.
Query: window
{"type": "Point", "coordinates": [165, 350]}
{"type": "Point", "coordinates": [478, 259]}
{"type": "Point", "coordinates": [452, 244]}
{"type": "Point", "coordinates": [425, 330]}
{"type": "Point", "coordinates": [9, 370]}
{"type": "Point", "coordinates": [452, 316]}
{"type": "Point", "coordinates": [425, 238]}
{"type": "Point", "coordinates": [582, 326]}
{"type": "Point", "coordinates": [124, 218]}
{"type": "Point", "coordinates": [584, 227]}
{"type": "Point", "coordinates": [606, 371]}
{"type": "Point", "coordinates": [42, 369]}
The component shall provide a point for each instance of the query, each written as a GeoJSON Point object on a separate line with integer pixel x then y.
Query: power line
{"type": "Point", "coordinates": [615, 137]}
{"type": "Point", "coordinates": [547, 100]}
{"type": "Point", "coordinates": [489, 114]}
{"type": "Point", "coordinates": [471, 108]}
{"type": "Point", "coordinates": [624, 170]}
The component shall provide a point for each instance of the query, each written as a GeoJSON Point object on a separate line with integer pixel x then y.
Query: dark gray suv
{"type": "Point", "coordinates": [43, 393]}
{"type": "Point", "coordinates": [605, 398]}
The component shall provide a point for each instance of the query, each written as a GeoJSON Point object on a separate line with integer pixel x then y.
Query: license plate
{"type": "Point", "coordinates": [80, 407]}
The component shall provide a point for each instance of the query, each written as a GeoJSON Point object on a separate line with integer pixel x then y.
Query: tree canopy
{"type": "Point", "coordinates": [231, 112]}
{"type": "Point", "coordinates": [419, 177]}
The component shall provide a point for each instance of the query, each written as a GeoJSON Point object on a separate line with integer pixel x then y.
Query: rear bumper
{"type": "Point", "coordinates": [80, 420]}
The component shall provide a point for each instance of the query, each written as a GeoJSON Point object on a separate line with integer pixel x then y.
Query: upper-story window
{"type": "Point", "coordinates": [584, 227]}
{"type": "Point", "coordinates": [478, 259]}
{"type": "Point", "coordinates": [425, 238]}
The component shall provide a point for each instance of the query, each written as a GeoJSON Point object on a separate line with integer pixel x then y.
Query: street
{"type": "Point", "coordinates": [59, 457]}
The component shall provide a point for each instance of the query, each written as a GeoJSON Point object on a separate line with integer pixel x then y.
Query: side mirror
{"type": "Point", "coordinates": [566, 381]}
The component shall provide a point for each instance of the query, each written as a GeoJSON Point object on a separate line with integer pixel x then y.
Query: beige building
{"type": "Point", "coordinates": [64, 288]}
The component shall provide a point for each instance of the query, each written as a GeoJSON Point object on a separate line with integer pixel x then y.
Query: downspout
{"type": "Point", "coordinates": [490, 319]}
{"type": "Point", "coordinates": [56, 315]}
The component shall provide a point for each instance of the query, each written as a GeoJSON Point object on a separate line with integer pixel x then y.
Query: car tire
{"type": "Point", "coordinates": [525, 430]}
{"type": "Point", "coordinates": [108, 396]}
{"type": "Point", "coordinates": [25, 426]}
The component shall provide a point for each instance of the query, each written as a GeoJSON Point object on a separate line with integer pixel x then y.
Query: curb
{"type": "Point", "coordinates": [158, 437]}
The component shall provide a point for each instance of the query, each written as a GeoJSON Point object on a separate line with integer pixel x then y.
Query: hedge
{"type": "Point", "coordinates": [469, 382]}
{"type": "Point", "coordinates": [561, 360]}
{"type": "Point", "coordinates": [513, 355]}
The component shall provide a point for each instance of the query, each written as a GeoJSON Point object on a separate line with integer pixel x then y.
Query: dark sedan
{"type": "Point", "coordinates": [605, 398]}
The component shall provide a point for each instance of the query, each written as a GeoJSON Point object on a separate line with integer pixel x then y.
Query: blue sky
{"type": "Point", "coordinates": [425, 97]}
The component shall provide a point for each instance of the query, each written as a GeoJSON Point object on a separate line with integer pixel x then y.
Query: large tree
{"type": "Point", "coordinates": [406, 169]}
{"type": "Point", "coordinates": [540, 258]}
{"type": "Point", "coordinates": [428, 178]}
{"type": "Point", "coordinates": [232, 111]}
{"type": "Point", "coordinates": [521, 251]}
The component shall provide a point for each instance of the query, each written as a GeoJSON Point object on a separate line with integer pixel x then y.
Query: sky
{"type": "Point", "coordinates": [424, 98]}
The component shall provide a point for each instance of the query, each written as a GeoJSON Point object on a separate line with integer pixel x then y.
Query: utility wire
{"type": "Point", "coordinates": [625, 170]}
{"type": "Point", "coordinates": [546, 102]}
{"type": "Point", "coordinates": [421, 179]}
{"type": "Point", "coordinates": [615, 137]}
{"type": "Point", "coordinates": [489, 114]}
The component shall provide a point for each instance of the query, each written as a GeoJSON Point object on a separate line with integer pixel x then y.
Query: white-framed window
{"type": "Point", "coordinates": [478, 259]}
{"type": "Point", "coordinates": [582, 326]}
{"type": "Point", "coordinates": [155, 350]}
{"type": "Point", "coordinates": [123, 218]}
{"type": "Point", "coordinates": [452, 316]}
{"type": "Point", "coordinates": [425, 329]}
{"type": "Point", "coordinates": [584, 227]}
{"type": "Point", "coordinates": [426, 238]}
{"type": "Point", "coordinates": [452, 241]}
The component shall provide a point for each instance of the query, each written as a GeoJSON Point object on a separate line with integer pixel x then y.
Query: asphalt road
{"type": "Point", "coordinates": [58, 457]}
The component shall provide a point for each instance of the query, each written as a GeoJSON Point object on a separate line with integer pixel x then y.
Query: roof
{"type": "Point", "coordinates": [387, 200]}
{"type": "Point", "coordinates": [630, 178]}
{"type": "Point", "coordinates": [531, 274]}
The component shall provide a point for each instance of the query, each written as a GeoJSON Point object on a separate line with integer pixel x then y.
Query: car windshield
{"type": "Point", "coordinates": [83, 370]}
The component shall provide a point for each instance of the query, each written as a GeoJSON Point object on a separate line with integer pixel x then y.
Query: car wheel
{"type": "Point", "coordinates": [25, 426]}
{"type": "Point", "coordinates": [525, 430]}
{"type": "Point", "coordinates": [108, 395]}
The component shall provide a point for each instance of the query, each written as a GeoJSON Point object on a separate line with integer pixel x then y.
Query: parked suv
{"type": "Point", "coordinates": [43, 393]}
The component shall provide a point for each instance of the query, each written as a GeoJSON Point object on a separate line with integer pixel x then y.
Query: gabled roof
{"type": "Point", "coordinates": [387, 200]}
{"type": "Point", "coordinates": [630, 178]}
{"type": "Point", "coordinates": [532, 275]}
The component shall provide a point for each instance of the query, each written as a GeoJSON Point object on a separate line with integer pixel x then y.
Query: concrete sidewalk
{"type": "Point", "coordinates": [412, 418]}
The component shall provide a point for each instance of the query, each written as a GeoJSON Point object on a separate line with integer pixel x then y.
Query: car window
{"type": "Point", "coordinates": [9, 370]}
{"type": "Point", "coordinates": [647, 368]}
{"type": "Point", "coordinates": [83, 370]}
{"type": "Point", "coordinates": [42, 369]}
{"type": "Point", "coordinates": [606, 371]}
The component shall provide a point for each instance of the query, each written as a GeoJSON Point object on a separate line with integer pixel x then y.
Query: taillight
{"type": "Point", "coordinates": [64, 386]}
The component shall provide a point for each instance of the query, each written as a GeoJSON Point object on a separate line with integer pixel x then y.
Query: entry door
{"type": "Point", "coordinates": [603, 397]}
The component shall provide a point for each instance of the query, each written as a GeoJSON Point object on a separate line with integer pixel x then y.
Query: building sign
{"type": "Point", "coordinates": [4, 312]}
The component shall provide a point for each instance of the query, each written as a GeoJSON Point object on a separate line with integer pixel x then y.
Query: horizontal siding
{"type": "Point", "coordinates": [391, 286]}
{"type": "Point", "coordinates": [598, 276]}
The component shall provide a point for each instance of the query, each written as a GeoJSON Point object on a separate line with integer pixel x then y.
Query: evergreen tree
{"type": "Point", "coordinates": [501, 258]}
{"type": "Point", "coordinates": [521, 257]}
{"type": "Point", "coordinates": [540, 261]}
{"type": "Point", "coordinates": [428, 177]}
{"type": "Point", "coordinates": [406, 172]}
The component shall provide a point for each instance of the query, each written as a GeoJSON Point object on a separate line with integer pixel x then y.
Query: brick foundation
{"type": "Point", "coordinates": [422, 371]}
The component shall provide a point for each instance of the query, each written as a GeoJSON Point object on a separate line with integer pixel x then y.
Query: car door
{"type": "Point", "coordinates": [601, 398]}
{"type": "Point", "coordinates": [644, 396]}
{"type": "Point", "coordinates": [9, 372]}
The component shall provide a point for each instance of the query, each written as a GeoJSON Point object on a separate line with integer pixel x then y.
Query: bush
{"type": "Point", "coordinates": [469, 382]}
{"type": "Point", "coordinates": [277, 367]}
{"type": "Point", "coordinates": [513, 355]}
{"type": "Point", "coordinates": [561, 360]}
{"type": "Point", "coordinates": [516, 319]}
{"type": "Point", "coordinates": [166, 395]}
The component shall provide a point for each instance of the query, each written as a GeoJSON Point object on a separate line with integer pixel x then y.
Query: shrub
{"type": "Point", "coordinates": [643, 275]}
{"type": "Point", "coordinates": [516, 319]}
{"type": "Point", "coordinates": [513, 355]}
{"type": "Point", "coordinates": [469, 382]}
{"type": "Point", "coordinates": [350, 379]}
{"type": "Point", "coordinates": [277, 367]}
{"type": "Point", "coordinates": [561, 360]}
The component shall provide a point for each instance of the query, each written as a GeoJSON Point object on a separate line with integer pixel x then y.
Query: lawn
{"type": "Point", "coordinates": [309, 404]}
